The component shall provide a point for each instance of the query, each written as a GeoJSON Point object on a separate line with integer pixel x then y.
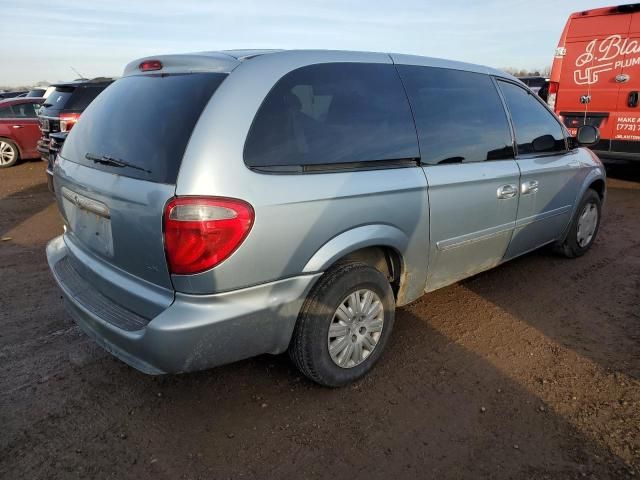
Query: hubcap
{"type": "Point", "coordinates": [355, 328]}
{"type": "Point", "coordinates": [587, 223]}
{"type": "Point", "coordinates": [7, 153]}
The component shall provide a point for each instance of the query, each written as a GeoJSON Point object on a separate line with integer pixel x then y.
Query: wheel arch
{"type": "Point", "coordinates": [599, 186]}
{"type": "Point", "coordinates": [380, 246]}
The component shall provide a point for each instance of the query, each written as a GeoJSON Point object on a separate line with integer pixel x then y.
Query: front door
{"type": "Point", "coordinates": [550, 173]}
{"type": "Point", "coordinates": [22, 124]}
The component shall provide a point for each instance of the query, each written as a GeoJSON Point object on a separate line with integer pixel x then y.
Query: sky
{"type": "Point", "coordinates": [43, 39]}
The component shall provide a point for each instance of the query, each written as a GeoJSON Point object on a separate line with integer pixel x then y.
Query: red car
{"type": "Point", "coordinates": [19, 129]}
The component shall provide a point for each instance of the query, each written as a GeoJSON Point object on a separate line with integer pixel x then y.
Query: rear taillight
{"type": "Point", "coordinates": [201, 232]}
{"type": "Point", "coordinates": [553, 94]}
{"type": "Point", "coordinates": [150, 65]}
{"type": "Point", "coordinates": [68, 120]}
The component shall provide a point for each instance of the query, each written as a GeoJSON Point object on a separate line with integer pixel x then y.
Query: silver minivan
{"type": "Point", "coordinates": [223, 205]}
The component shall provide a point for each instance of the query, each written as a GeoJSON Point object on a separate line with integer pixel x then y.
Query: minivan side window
{"type": "Point", "coordinates": [537, 130]}
{"type": "Point", "coordinates": [333, 113]}
{"type": "Point", "coordinates": [459, 115]}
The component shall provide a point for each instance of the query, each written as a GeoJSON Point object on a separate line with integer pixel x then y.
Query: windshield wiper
{"type": "Point", "coordinates": [115, 162]}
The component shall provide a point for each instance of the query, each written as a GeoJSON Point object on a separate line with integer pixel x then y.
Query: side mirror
{"type": "Point", "coordinates": [587, 135]}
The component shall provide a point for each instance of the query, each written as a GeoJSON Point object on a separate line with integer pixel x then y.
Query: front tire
{"type": "Point", "coordinates": [584, 226]}
{"type": "Point", "coordinates": [9, 153]}
{"type": "Point", "coordinates": [344, 325]}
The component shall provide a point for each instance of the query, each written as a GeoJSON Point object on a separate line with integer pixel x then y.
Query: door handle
{"type": "Point", "coordinates": [507, 191]}
{"type": "Point", "coordinates": [17, 126]}
{"type": "Point", "coordinates": [632, 99]}
{"type": "Point", "coordinates": [529, 187]}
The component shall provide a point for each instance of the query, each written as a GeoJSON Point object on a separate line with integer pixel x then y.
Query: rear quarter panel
{"type": "Point", "coordinates": [296, 215]}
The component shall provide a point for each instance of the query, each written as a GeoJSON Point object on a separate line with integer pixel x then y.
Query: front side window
{"type": "Point", "coordinates": [330, 114]}
{"type": "Point", "coordinates": [537, 130]}
{"type": "Point", "coordinates": [459, 115]}
{"type": "Point", "coordinates": [5, 112]}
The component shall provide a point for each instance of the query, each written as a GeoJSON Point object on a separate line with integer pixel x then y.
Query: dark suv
{"type": "Point", "coordinates": [61, 111]}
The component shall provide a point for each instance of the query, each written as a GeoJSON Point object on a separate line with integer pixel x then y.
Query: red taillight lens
{"type": "Point", "coordinates": [150, 65]}
{"type": "Point", "coordinates": [68, 120]}
{"type": "Point", "coordinates": [553, 95]}
{"type": "Point", "coordinates": [201, 232]}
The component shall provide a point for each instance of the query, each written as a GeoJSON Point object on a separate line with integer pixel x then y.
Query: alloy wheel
{"type": "Point", "coordinates": [355, 328]}
{"type": "Point", "coordinates": [587, 223]}
{"type": "Point", "coordinates": [7, 153]}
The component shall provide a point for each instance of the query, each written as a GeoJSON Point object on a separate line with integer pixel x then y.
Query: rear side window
{"type": "Point", "coordinates": [21, 110]}
{"type": "Point", "coordinates": [24, 110]}
{"type": "Point", "coordinates": [330, 114]}
{"type": "Point", "coordinates": [459, 115]}
{"type": "Point", "coordinates": [144, 120]}
{"type": "Point", "coordinates": [537, 130]}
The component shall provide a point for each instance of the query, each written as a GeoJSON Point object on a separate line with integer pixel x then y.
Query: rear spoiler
{"type": "Point", "coordinates": [630, 8]}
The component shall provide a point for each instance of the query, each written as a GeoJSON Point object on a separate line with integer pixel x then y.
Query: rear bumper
{"type": "Point", "coordinates": [49, 175]}
{"type": "Point", "coordinates": [196, 331]}
{"type": "Point", "coordinates": [42, 146]}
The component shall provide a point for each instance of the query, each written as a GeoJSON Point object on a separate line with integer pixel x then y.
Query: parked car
{"type": "Point", "coordinates": [298, 201]}
{"type": "Point", "coordinates": [12, 94]}
{"type": "Point", "coordinates": [61, 111]}
{"type": "Point", "coordinates": [19, 131]}
{"type": "Point", "coordinates": [595, 78]}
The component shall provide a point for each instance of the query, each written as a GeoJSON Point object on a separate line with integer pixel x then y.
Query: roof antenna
{"type": "Point", "coordinates": [77, 72]}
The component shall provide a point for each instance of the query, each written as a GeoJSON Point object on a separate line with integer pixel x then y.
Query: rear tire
{"type": "Point", "coordinates": [584, 227]}
{"type": "Point", "coordinates": [9, 153]}
{"type": "Point", "coordinates": [344, 325]}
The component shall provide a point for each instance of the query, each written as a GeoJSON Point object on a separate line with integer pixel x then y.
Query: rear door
{"type": "Point", "coordinates": [467, 156]}
{"type": "Point", "coordinates": [26, 128]}
{"type": "Point", "coordinates": [591, 69]}
{"type": "Point", "coordinates": [118, 168]}
{"type": "Point", "coordinates": [549, 171]}
{"type": "Point", "coordinates": [20, 123]}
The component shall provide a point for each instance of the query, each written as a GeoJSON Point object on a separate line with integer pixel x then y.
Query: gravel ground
{"type": "Point", "coordinates": [531, 370]}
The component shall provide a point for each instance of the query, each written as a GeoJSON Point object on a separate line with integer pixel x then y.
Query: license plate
{"type": "Point", "coordinates": [89, 220]}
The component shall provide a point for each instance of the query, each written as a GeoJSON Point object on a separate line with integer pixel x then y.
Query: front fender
{"type": "Point", "coordinates": [595, 173]}
{"type": "Point", "coordinates": [360, 237]}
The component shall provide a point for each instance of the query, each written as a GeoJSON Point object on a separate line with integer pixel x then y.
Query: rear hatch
{"type": "Point", "coordinates": [117, 170]}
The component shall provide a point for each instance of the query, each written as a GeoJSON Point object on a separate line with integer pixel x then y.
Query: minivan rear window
{"type": "Point", "coordinates": [333, 113]}
{"type": "Point", "coordinates": [143, 120]}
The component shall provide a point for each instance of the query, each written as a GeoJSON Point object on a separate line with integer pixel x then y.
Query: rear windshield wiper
{"type": "Point", "coordinates": [115, 162]}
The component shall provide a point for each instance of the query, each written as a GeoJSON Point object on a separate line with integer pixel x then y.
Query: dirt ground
{"type": "Point", "coordinates": [531, 371]}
